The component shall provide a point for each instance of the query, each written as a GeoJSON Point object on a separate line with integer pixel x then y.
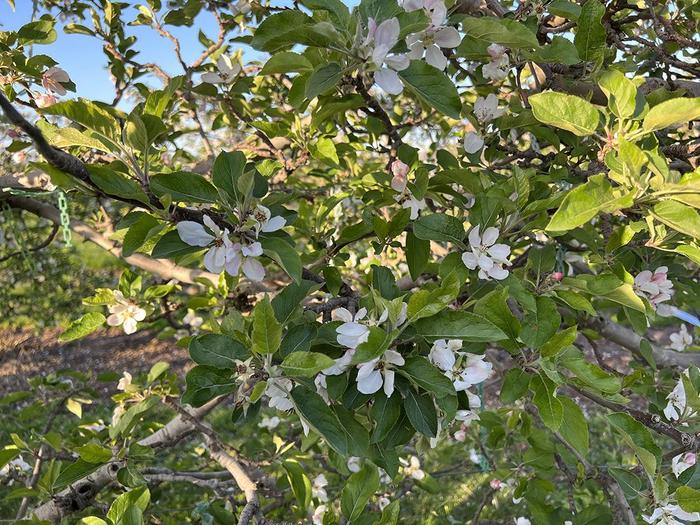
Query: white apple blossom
{"type": "Point", "coordinates": [53, 80]}
{"type": "Point", "coordinates": [670, 514]}
{"type": "Point", "coordinates": [318, 488]}
{"type": "Point", "coordinates": [242, 7]}
{"type": "Point", "coordinates": [486, 255]}
{"type": "Point", "coordinates": [377, 372]}
{"type": "Point", "coordinates": [683, 462]}
{"type": "Point", "coordinates": [681, 339]}
{"type": "Point", "coordinates": [243, 256]}
{"type": "Point", "coordinates": [270, 423]}
{"type": "Point", "coordinates": [317, 517]}
{"type": "Point", "coordinates": [467, 416]}
{"type": "Point", "coordinates": [278, 389]}
{"type": "Point", "coordinates": [443, 353]}
{"type": "Point", "coordinates": [228, 70]}
{"type": "Point", "coordinates": [192, 319]}
{"type": "Point", "coordinates": [497, 67]}
{"type": "Point", "coordinates": [378, 43]}
{"type": "Point", "coordinates": [125, 313]}
{"type": "Point", "coordinates": [351, 333]}
{"type": "Point", "coordinates": [411, 468]}
{"type": "Point", "coordinates": [411, 203]}
{"type": "Point", "coordinates": [486, 109]}
{"type": "Point", "coordinates": [220, 246]}
{"type": "Point", "coordinates": [677, 401]}
{"type": "Point", "coordinates": [383, 502]}
{"type": "Point", "coordinates": [265, 222]}
{"type": "Point", "coordinates": [522, 521]}
{"type": "Point", "coordinates": [475, 370]}
{"type": "Point", "coordinates": [354, 464]}
{"type": "Point", "coordinates": [473, 142]}
{"type": "Point", "coordinates": [17, 463]}
{"type": "Point", "coordinates": [435, 37]}
{"type": "Point", "coordinates": [124, 381]}
{"type": "Point", "coordinates": [655, 287]}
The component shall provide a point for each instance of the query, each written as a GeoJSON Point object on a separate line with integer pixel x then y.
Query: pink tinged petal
{"type": "Point", "coordinates": [387, 33]}
{"type": "Point", "coordinates": [416, 49]}
{"type": "Point", "coordinates": [447, 37]}
{"type": "Point", "coordinates": [129, 326]}
{"type": "Point", "coordinates": [485, 262]}
{"type": "Point", "coordinates": [114, 320]}
{"type": "Point", "coordinates": [434, 57]}
{"type": "Point", "coordinates": [253, 269]}
{"type": "Point", "coordinates": [490, 236]}
{"type": "Point", "coordinates": [140, 314]}
{"type": "Point", "coordinates": [388, 382]}
{"type": "Point", "coordinates": [370, 383]}
{"type": "Point", "coordinates": [193, 233]}
{"type": "Point", "coordinates": [470, 260]}
{"type": "Point", "coordinates": [412, 5]}
{"type": "Point", "coordinates": [643, 277]}
{"type": "Point", "coordinates": [274, 224]}
{"type": "Point", "coordinates": [389, 81]}
{"type": "Point", "coordinates": [474, 237]}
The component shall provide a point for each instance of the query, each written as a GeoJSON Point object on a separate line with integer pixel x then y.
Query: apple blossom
{"type": "Point", "coordinates": [124, 382]}
{"type": "Point", "coordinates": [681, 340]}
{"type": "Point", "coordinates": [655, 287]}
{"type": "Point", "coordinates": [244, 257]}
{"type": "Point", "coordinates": [125, 313]}
{"type": "Point", "coordinates": [435, 37]}
{"type": "Point", "coordinates": [53, 80]}
{"type": "Point", "coordinates": [220, 246]}
{"type": "Point", "coordinates": [44, 100]}
{"type": "Point", "coordinates": [377, 372]}
{"type": "Point", "coordinates": [411, 468]}
{"type": "Point", "coordinates": [353, 463]}
{"type": "Point", "coordinates": [670, 514]}
{"type": "Point", "coordinates": [379, 41]}
{"type": "Point", "coordinates": [270, 423]}
{"type": "Point", "coordinates": [442, 353]}
{"type": "Point", "coordinates": [265, 222]}
{"type": "Point", "coordinates": [317, 517]}
{"type": "Point", "coordinates": [277, 390]}
{"type": "Point", "coordinates": [486, 255]}
{"type": "Point", "coordinates": [351, 333]}
{"type": "Point", "coordinates": [683, 462]}
{"type": "Point", "coordinates": [318, 488]}
{"type": "Point", "coordinates": [486, 109]}
{"type": "Point", "coordinates": [473, 142]}
{"type": "Point", "coordinates": [497, 67]}
{"type": "Point", "coordinates": [228, 70]}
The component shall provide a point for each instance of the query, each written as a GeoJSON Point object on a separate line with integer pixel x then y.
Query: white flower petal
{"type": "Point", "coordinates": [193, 233]}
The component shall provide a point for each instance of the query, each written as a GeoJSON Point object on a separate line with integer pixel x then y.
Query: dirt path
{"type": "Point", "coordinates": [23, 355]}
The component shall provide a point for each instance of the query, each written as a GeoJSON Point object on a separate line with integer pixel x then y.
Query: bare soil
{"type": "Point", "coordinates": [24, 355]}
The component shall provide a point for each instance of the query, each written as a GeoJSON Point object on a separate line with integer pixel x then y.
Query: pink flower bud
{"type": "Point", "coordinates": [400, 172]}
{"type": "Point", "coordinates": [557, 276]}
{"type": "Point", "coordinates": [13, 134]}
{"type": "Point", "coordinates": [44, 101]}
{"type": "Point", "coordinates": [495, 484]}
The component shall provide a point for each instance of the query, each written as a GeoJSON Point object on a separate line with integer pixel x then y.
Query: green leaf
{"type": "Point", "coordinates": [267, 331]}
{"type": "Point", "coordinates": [542, 324]}
{"type": "Point", "coordinates": [205, 383]}
{"type": "Point", "coordinates": [590, 39]}
{"type": "Point", "coordinates": [417, 254]}
{"type": "Point", "coordinates": [421, 412]}
{"type": "Point", "coordinates": [425, 375]}
{"type": "Point", "coordinates": [138, 497]}
{"type": "Point", "coordinates": [672, 113]}
{"type": "Point", "coordinates": [227, 170]}
{"type": "Point", "coordinates": [515, 383]}
{"type": "Point", "coordinates": [87, 113]}
{"type": "Point", "coordinates": [299, 481]}
{"type": "Point", "coordinates": [587, 200]}
{"type": "Point", "coordinates": [286, 62]}
{"type": "Point", "coordinates": [621, 93]}
{"type": "Point", "coordinates": [453, 324]}
{"type": "Point", "coordinates": [116, 184]}
{"type": "Point", "coordinates": [321, 418]}
{"type": "Point", "coordinates": [568, 112]}
{"type": "Point", "coordinates": [688, 498]}
{"type": "Point", "coordinates": [502, 31]}
{"type": "Point", "coordinates": [439, 227]}
{"type": "Point", "coordinates": [433, 87]}
{"type": "Point", "coordinates": [73, 472]}
{"type": "Point", "coordinates": [678, 216]}
{"type": "Point", "coordinates": [390, 514]}
{"type": "Point", "coordinates": [81, 327]}
{"type": "Point", "coordinates": [590, 374]}
{"type": "Point", "coordinates": [324, 78]}
{"type": "Point", "coordinates": [289, 27]}
{"type": "Point", "coordinates": [558, 342]}
{"type": "Point", "coordinates": [283, 254]}
{"type": "Point", "coordinates": [639, 438]}
{"type": "Point", "coordinates": [357, 491]}
{"type": "Point", "coordinates": [305, 364]}
{"type": "Point", "coordinates": [94, 453]}
{"type": "Point", "coordinates": [550, 408]}
{"type": "Point", "coordinates": [385, 412]}
{"type": "Point", "coordinates": [217, 350]}
{"type": "Point", "coordinates": [574, 428]}
{"type": "Point", "coordinates": [138, 233]}
{"type": "Point", "coordinates": [184, 186]}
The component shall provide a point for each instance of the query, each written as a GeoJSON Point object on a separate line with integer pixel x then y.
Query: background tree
{"type": "Point", "coordinates": [415, 252]}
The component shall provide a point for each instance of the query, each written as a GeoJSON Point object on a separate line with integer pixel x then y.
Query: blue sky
{"type": "Point", "coordinates": [82, 56]}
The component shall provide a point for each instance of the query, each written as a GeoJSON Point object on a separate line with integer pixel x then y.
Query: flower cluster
{"type": "Point", "coordinates": [681, 339]}
{"type": "Point", "coordinates": [655, 287]}
{"type": "Point", "coordinates": [52, 80]}
{"type": "Point", "coordinates": [670, 514]}
{"type": "Point", "coordinates": [399, 182]}
{"type": "Point", "coordinates": [435, 37]}
{"type": "Point", "coordinates": [486, 255]}
{"type": "Point", "coordinates": [378, 42]}
{"type": "Point", "coordinates": [463, 369]}
{"type": "Point", "coordinates": [677, 405]}
{"type": "Point", "coordinates": [223, 253]}
{"type": "Point", "coordinates": [497, 67]}
{"type": "Point", "coordinates": [125, 313]}
{"type": "Point", "coordinates": [228, 70]}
